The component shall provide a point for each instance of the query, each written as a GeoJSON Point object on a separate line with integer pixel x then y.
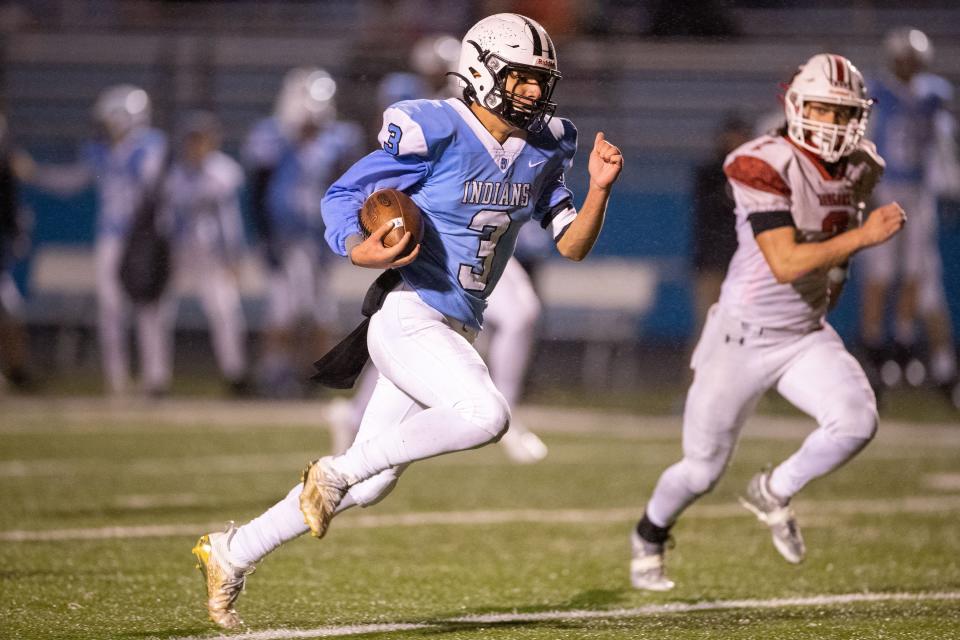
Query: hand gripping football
{"type": "Point", "coordinates": [391, 205]}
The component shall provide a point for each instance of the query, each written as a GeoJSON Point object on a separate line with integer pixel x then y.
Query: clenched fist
{"type": "Point", "coordinates": [882, 224]}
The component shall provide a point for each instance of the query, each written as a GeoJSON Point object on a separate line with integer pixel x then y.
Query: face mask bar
{"type": "Point", "coordinates": [830, 141]}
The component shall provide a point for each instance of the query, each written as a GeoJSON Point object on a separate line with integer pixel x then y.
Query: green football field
{"type": "Point", "coordinates": [102, 503]}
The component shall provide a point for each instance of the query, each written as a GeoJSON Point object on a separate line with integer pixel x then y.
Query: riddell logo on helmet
{"type": "Point", "coordinates": [543, 62]}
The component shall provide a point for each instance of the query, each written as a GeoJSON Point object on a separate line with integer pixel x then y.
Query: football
{"type": "Point", "coordinates": [391, 205]}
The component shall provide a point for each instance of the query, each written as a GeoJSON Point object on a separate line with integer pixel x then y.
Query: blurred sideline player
{"type": "Point", "coordinates": [14, 342]}
{"type": "Point", "coordinates": [796, 197]}
{"type": "Point", "coordinates": [292, 157]}
{"type": "Point", "coordinates": [126, 166]}
{"type": "Point", "coordinates": [910, 125]}
{"type": "Point", "coordinates": [434, 395]}
{"type": "Point", "coordinates": [512, 309]}
{"type": "Point", "coordinates": [202, 208]}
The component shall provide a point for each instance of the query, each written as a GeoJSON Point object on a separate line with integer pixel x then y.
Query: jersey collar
{"type": "Point", "coordinates": [502, 155]}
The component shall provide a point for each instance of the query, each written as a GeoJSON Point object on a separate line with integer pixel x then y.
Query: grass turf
{"type": "Point", "coordinates": [886, 523]}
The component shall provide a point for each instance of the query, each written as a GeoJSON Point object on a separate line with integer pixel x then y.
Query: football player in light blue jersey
{"type": "Point", "coordinates": [911, 123]}
{"type": "Point", "coordinates": [478, 168]}
{"type": "Point", "coordinates": [292, 158]}
{"type": "Point", "coordinates": [124, 167]}
{"type": "Point", "coordinates": [512, 312]}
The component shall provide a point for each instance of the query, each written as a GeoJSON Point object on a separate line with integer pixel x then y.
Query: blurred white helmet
{"type": "Point", "coordinates": [435, 55]}
{"type": "Point", "coordinates": [829, 79]}
{"type": "Point", "coordinates": [121, 109]}
{"type": "Point", "coordinates": [494, 47]}
{"type": "Point", "coordinates": [907, 42]}
{"type": "Point", "coordinates": [306, 98]}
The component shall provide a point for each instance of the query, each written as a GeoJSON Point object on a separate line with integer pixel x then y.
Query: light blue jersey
{"type": "Point", "coordinates": [301, 172]}
{"type": "Point", "coordinates": [902, 124]}
{"type": "Point", "coordinates": [123, 173]}
{"type": "Point", "coordinates": [474, 193]}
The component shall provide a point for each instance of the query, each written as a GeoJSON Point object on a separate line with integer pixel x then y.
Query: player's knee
{"type": "Point", "coordinates": [856, 419]}
{"type": "Point", "coordinates": [701, 475]}
{"type": "Point", "coordinates": [488, 411]}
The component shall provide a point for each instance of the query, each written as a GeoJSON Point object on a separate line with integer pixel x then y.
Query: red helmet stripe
{"type": "Point", "coordinates": [841, 69]}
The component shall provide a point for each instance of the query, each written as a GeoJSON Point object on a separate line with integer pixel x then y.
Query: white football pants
{"type": "Point", "coordinates": [301, 288]}
{"type": "Point", "coordinates": [734, 365]}
{"type": "Point", "coordinates": [199, 268]}
{"type": "Point", "coordinates": [510, 321]}
{"type": "Point", "coordinates": [113, 308]}
{"type": "Point", "coordinates": [434, 395]}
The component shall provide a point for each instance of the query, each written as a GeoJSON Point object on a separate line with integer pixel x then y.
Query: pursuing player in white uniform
{"type": "Point", "coordinates": [201, 205]}
{"type": "Point", "coordinates": [125, 168]}
{"type": "Point", "coordinates": [796, 200]}
{"type": "Point", "coordinates": [915, 133]}
{"type": "Point", "coordinates": [478, 168]}
{"type": "Point", "coordinates": [512, 310]}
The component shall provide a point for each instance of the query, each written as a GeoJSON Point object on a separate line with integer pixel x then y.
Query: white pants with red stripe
{"type": "Point", "coordinates": [734, 365]}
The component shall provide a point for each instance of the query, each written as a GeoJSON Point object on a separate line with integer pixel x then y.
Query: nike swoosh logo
{"type": "Point", "coordinates": [514, 46]}
{"type": "Point", "coordinates": [532, 164]}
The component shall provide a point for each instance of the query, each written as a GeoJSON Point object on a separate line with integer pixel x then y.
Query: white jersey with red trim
{"type": "Point", "coordinates": [771, 174]}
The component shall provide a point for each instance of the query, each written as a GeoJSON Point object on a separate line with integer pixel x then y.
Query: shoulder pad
{"type": "Point", "coordinates": [415, 127]}
{"type": "Point", "coordinates": [560, 134]}
{"type": "Point", "coordinates": [761, 164]}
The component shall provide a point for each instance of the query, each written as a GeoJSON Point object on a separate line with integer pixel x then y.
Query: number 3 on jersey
{"type": "Point", "coordinates": [491, 225]}
{"type": "Point", "coordinates": [392, 144]}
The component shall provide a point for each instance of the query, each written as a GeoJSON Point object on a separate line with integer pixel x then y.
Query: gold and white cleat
{"type": "Point", "coordinates": [323, 489]}
{"type": "Point", "coordinates": [224, 581]}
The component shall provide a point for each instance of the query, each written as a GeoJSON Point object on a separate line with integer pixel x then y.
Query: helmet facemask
{"type": "Point", "coordinates": [515, 108]}
{"type": "Point", "coordinates": [829, 141]}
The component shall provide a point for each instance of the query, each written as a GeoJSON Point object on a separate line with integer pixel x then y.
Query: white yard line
{"type": "Point", "coordinates": [818, 510]}
{"type": "Point", "coordinates": [583, 614]}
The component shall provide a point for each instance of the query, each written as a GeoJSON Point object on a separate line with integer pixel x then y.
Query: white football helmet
{"type": "Point", "coordinates": [306, 98]}
{"type": "Point", "coordinates": [499, 44]}
{"type": "Point", "coordinates": [906, 42]}
{"type": "Point", "coordinates": [829, 79]}
{"type": "Point", "coordinates": [121, 109]}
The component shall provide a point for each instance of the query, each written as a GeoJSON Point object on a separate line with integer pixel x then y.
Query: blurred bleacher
{"type": "Point", "coordinates": [659, 99]}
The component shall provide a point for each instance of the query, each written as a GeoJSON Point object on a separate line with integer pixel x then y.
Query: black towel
{"type": "Point", "coordinates": [340, 367]}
